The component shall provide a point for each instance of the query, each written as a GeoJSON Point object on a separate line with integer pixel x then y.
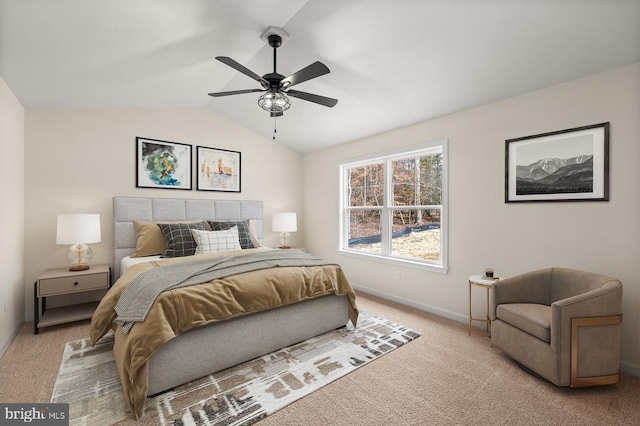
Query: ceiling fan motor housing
{"type": "Point", "coordinates": [275, 40]}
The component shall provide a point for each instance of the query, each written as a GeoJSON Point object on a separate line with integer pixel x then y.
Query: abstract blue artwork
{"type": "Point", "coordinates": [163, 164]}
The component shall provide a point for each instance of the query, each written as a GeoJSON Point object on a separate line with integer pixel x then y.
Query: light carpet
{"type": "Point", "coordinates": [239, 395]}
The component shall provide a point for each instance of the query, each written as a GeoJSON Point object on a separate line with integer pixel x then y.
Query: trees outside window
{"type": "Point", "coordinates": [394, 206]}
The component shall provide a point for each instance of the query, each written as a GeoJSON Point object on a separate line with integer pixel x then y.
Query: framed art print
{"type": "Point", "coordinates": [565, 165]}
{"type": "Point", "coordinates": [218, 170]}
{"type": "Point", "coordinates": [162, 164]}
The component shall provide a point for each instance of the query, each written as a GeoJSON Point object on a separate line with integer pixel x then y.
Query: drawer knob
{"type": "Point", "coordinates": [75, 283]}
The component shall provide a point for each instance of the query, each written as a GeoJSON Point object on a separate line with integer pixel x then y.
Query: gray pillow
{"type": "Point", "coordinates": [178, 238]}
{"type": "Point", "coordinates": [244, 231]}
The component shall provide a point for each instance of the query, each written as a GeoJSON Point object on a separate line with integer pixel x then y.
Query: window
{"type": "Point", "coordinates": [393, 207]}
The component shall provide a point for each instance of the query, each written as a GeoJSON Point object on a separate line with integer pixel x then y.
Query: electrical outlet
{"type": "Point", "coordinates": [397, 275]}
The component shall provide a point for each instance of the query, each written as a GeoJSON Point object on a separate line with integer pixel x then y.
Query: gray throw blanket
{"type": "Point", "coordinates": [136, 300]}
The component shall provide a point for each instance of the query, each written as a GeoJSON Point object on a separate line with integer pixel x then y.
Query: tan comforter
{"type": "Point", "coordinates": [176, 311]}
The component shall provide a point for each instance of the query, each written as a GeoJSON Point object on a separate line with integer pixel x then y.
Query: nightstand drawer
{"type": "Point", "coordinates": [63, 285]}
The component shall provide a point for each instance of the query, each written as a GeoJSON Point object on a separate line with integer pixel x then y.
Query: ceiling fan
{"type": "Point", "coordinates": [276, 87]}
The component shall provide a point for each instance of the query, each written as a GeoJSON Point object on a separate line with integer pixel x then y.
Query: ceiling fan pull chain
{"type": "Point", "coordinates": [274, 128]}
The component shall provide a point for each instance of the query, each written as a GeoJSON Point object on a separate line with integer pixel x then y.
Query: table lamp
{"type": "Point", "coordinates": [78, 230]}
{"type": "Point", "coordinates": [284, 223]}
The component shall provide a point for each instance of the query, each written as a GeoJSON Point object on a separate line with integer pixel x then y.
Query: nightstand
{"type": "Point", "coordinates": [61, 281]}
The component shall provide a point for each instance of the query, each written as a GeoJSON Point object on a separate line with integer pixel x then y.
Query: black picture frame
{"type": "Point", "coordinates": [163, 164]}
{"type": "Point", "coordinates": [564, 165]}
{"type": "Point", "coordinates": [218, 170]}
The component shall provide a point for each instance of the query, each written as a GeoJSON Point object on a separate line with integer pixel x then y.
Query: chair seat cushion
{"type": "Point", "coordinates": [529, 317]}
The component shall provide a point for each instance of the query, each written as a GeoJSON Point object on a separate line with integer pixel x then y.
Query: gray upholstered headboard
{"type": "Point", "coordinates": [128, 209]}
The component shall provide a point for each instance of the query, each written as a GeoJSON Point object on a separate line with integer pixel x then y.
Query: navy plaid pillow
{"type": "Point", "coordinates": [178, 238]}
{"type": "Point", "coordinates": [244, 232]}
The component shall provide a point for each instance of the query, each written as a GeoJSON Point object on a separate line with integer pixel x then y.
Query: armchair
{"type": "Point", "coordinates": [561, 323]}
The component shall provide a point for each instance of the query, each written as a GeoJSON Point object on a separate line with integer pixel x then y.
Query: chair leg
{"type": "Point", "coordinates": [593, 380]}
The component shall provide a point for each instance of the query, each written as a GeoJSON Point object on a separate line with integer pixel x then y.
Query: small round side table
{"type": "Point", "coordinates": [486, 283]}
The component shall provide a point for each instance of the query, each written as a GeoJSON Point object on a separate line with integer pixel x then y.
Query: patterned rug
{"type": "Point", "coordinates": [239, 395]}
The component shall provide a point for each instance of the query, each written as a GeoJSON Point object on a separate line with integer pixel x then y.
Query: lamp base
{"type": "Point", "coordinates": [76, 268]}
{"type": "Point", "coordinates": [79, 256]}
{"type": "Point", "coordinates": [284, 240]}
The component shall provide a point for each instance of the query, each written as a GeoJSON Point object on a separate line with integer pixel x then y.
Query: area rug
{"type": "Point", "coordinates": [239, 395]}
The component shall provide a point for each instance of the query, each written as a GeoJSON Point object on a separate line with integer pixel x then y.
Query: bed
{"type": "Point", "coordinates": [206, 344]}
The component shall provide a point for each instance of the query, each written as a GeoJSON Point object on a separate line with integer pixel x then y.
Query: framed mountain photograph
{"type": "Point", "coordinates": [565, 165]}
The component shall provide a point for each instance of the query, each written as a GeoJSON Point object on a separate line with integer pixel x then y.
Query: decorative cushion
{"type": "Point", "coordinates": [216, 241]}
{"type": "Point", "coordinates": [178, 238]}
{"type": "Point", "coordinates": [244, 230]}
{"type": "Point", "coordinates": [252, 233]}
{"type": "Point", "coordinates": [149, 239]}
{"type": "Point", "coordinates": [529, 317]}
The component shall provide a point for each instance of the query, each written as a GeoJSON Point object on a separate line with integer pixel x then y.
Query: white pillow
{"type": "Point", "coordinates": [216, 241]}
{"type": "Point", "coordinates": [253, 235]}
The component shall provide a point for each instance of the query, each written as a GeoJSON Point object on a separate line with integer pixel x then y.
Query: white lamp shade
{"type": "Point", "coordinates": [78, 228]}
{"type": "Point", "coordinates": [284, 222]}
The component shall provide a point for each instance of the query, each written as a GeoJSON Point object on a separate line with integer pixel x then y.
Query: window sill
{"type": "Point", "coordinates": [395, 261]}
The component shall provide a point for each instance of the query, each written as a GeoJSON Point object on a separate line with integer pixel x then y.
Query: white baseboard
{"type": "Point", "coordinates": [625, 367]}
{"type": "Point", "coordinates": [630, 369]}
{"type": "Point", "coordinates": [427, 308]}
{"type": "Point", "coordinates": [5, 345]}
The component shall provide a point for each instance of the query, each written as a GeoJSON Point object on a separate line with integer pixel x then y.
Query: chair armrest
{"type": "Point", "coordinates": [603, 301]}
{"type": "Point", "coordinates": [531, 287]}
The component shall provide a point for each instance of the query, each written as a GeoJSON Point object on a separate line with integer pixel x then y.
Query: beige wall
{"type": "Point", "coordinates": [12, 216]}
{"type": "Point", "coordinates": [513, 238]}
{"type": "Point", "coordinates": [78, 159]}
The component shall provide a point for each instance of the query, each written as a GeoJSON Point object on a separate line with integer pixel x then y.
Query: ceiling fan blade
{"type": "Point", "coordinates": [234, 92]}
{"type": "Point", "coordinates": [322, 100]}
{"type": "Point", "coordinates": [314, 70]}
{"type": "Point", "coordinates": [244, 70]}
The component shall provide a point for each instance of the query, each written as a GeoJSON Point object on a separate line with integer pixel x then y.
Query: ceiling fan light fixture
{"type": "Point", "coordinates": [274, 102]}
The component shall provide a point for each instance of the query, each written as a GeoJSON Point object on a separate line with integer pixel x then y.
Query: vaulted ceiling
{"type": "Point", "coordinates": [393, 63]}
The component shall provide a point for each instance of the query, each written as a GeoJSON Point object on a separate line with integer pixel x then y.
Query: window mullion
{"type": "Point", "coordinates": [386, 217]}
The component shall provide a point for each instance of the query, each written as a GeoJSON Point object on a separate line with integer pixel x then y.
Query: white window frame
{"type": "Point", "coordinates": [386, 256]}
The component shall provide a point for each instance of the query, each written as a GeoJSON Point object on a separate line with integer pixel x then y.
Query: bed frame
{"type": "Point", "coordinates": [220, 345]}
